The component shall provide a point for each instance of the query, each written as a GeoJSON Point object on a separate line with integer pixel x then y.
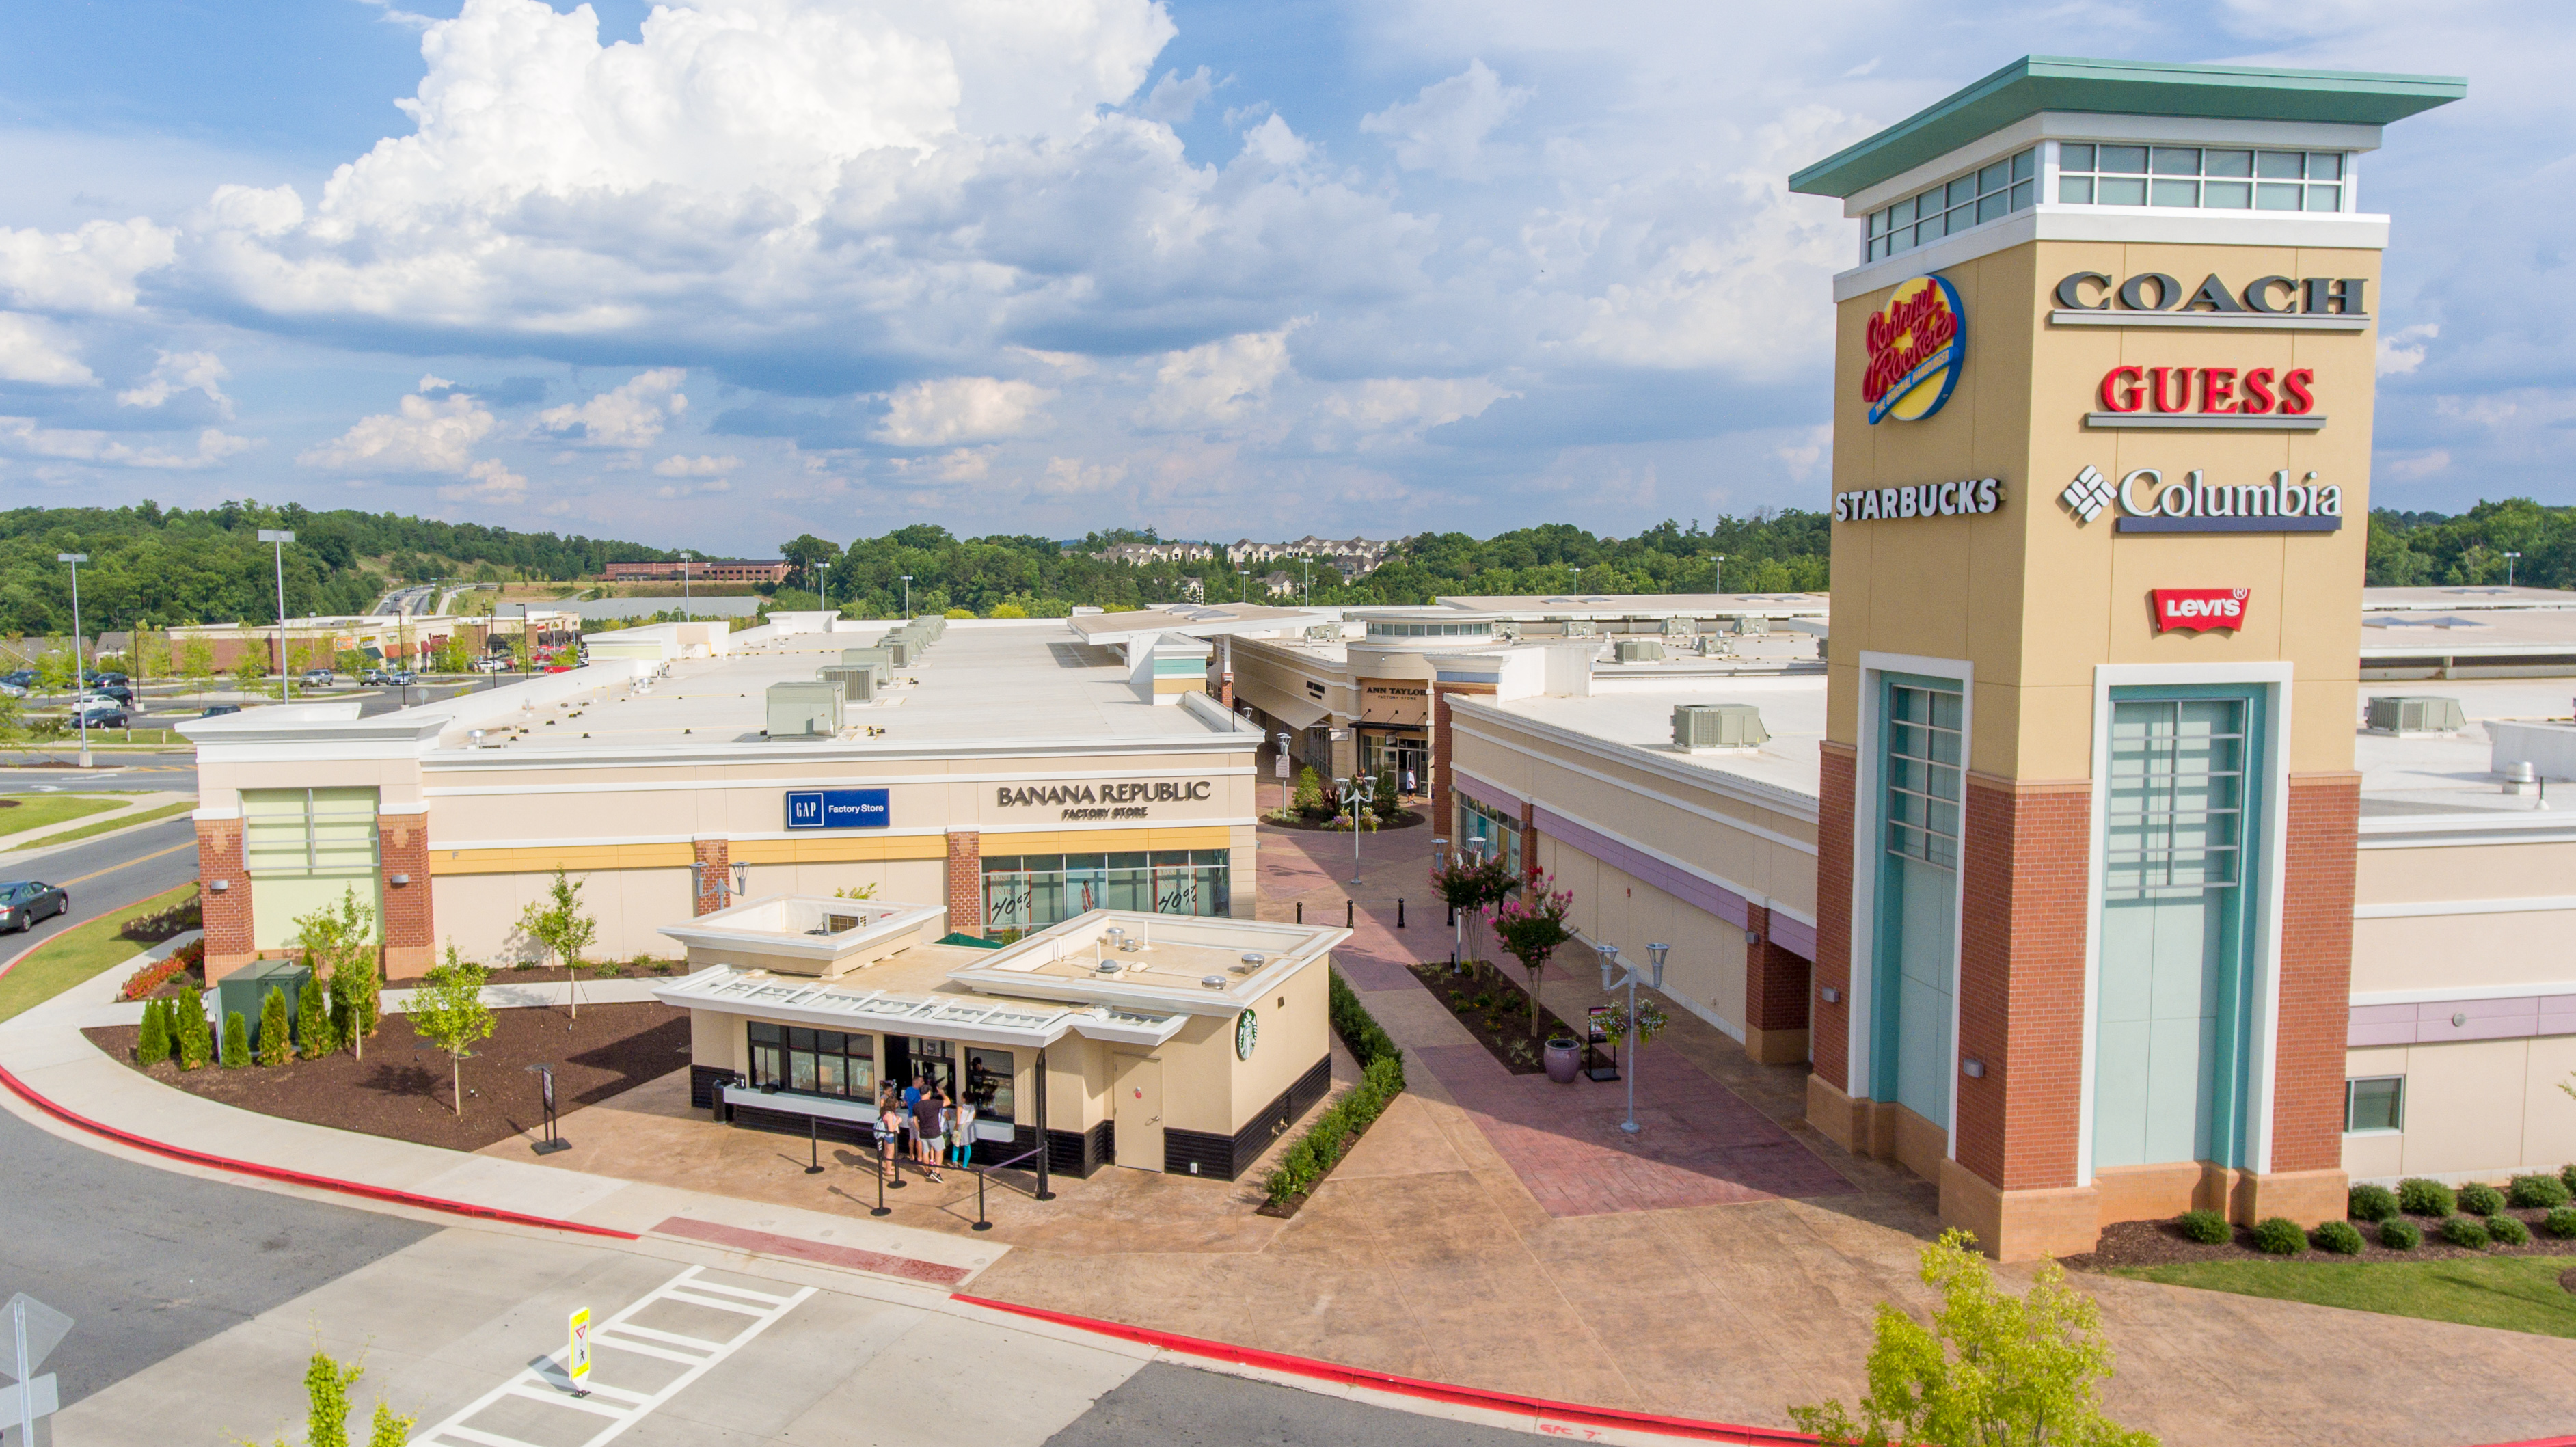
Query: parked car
{"type": "Point", "coordinates": [115, 687]}
{"type": "Point", "coordinates": [23, 677]}
{"type": "Point", "coordinates": [103, 714]}
{"type": "Point", "coordinates": [217, 710]}
{"type": "Point", "coordinates": [491, 665]}
{"type": "Point", "coordinates": [21, 905]}
{"type": "Point", "coordinates": [316, 678]}
{"type": "Point", "coordinates": [12, 690]}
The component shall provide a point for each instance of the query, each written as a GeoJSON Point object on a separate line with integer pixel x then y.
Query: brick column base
{"type": "Point", "coordinates": [1775, 995]}
{"type": "Point", "coordinates": [965, 882]}
{"type": "Point", "coordinates": [227, 909]}
{"type": "Point", "coordinates": [715, 875]}
{"type": "Point", "coordinates": [410, 931]}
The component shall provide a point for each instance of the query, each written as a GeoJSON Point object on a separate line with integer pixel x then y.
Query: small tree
{"type": "Point", "coordinates": [149, 657]}
{"type": "Point", "coordinates": [447, 1010]}
{"type": "Point", "coordinates": [1992, 1370]}
{"type": "Point", "coordinates": [236, 1053]}
{"type": "Point", "coordinates": [559, 924]}
{"type": "Point", "coordinates": [313, 1021]}
{"type": "Point", "coordinates": [193, 1039]}
{"type": "Point", "coordinates": [196, 664]}
{"type": "Point", "coordinates": [1309, 796]}
{"type": "Point", "coordinates": [326, 1415]}
{"type": "Point", "coordinates": [250, 674]}
{"type": "Point", "coordinates": [54, 672]}
{"type": "Point", "coordinates": [1531, 928]}
{"type": "Point", "coordinates": [152, 1046]}
{"type": "Point", "coordinates": [274, 1040]}
{"type": "Point", "coordinates": [339, 946]}
{"type": "Point", "coordinates": [1468, 885]}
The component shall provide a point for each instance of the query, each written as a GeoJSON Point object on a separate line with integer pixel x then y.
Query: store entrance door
{"type": "Point", "coordinates": [1412, 765]}
{"type": "Point", "coordinates": [932, 1060]}
{"type": "Point", "coordinates": [1138, 1117]}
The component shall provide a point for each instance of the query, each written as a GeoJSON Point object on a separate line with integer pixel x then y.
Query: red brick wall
{"type": "Point", "coordinates": [1444, 815]}
{"type": "Point", "coordinates": [227, 915]}
{"type": "Point", "coordinates": [715, 877]}
{"type": "Point", "coordinates": [2316, 971]}
{"type": "Point", "coordinates": [2021, 979]}
{"type": "Point", "coordinates": [410, 931]}
{"type": "Point", "coordinates": [1775, 979]}
{"type": "Point", "coordinates": [1829, 1040]}
{"type": "Point", "coordinates": [965, 881]}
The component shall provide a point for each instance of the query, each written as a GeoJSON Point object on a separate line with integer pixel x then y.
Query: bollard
{"type": "Point", "coordinates": [980, 1223]}
{"type": "Point", "coordinates": [882, 1208]}
{"type": "Point", "coordinates": [1301, 911]}
{"type": "Point", "coordinates": [1399, 912]}
{"type": "Point", "coordinates": [1350, 914]}
{"type": "Point", "coordinates": [813, 1147]}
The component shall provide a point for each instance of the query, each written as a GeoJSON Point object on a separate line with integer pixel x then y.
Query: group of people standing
{"type": "Point", "coordinates": [926, 1123]}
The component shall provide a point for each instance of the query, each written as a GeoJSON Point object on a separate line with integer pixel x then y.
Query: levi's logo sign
{"type": "Point", "coordinates": [2197, 610]}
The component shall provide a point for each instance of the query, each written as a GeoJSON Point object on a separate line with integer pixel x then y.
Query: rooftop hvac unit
{"type": "Point", "coordinates": [1679, 628]}
{"type": "Point", "coordinates": [1717, 726]}
{"type": "Point", "coordinates": [1749, 626]}
{"type": "Point", "coordinates": [1582, 628]}
{"type": "Point", "coordinates": [883, 658]}
{"type": "Point", "coordinates": [1508, 630]}
{"type": "Point", "coordinates": [858, 682]}
{"type": "Point", "coordinates": [905, 650]}
{"type": "Point", "coordinates": [1712, 646]}
{"type": "Point", "coordinates": [1641, 650]}
{"type": "Point", "coordinates": [804, 710]}
{"type": "Point", "coordinates": [2416, 714]}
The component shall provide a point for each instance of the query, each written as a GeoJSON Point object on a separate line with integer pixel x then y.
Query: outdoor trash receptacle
{"type": "Point", "coordinates": [1564, 1056]}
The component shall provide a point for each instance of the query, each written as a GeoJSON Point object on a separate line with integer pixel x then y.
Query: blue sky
{"type": "Point", "coordinates": [728, 271]}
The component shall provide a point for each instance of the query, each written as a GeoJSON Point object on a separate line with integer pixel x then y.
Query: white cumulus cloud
{"type": "Point", "coordinates": [31, 350]}
{"type": "Point", "coordinates": [627, 417]}
{"type": "Point", "coordinates": [28, 438]}
{"type": "Point", "coordinates": [178, 372]}
{"type": "Point", "coordinates": [961, 409]}
{"type": "Point", "coordinates": [1217, 384]}
{"type": "Point", "coordinates": [2402, 351]}
{"type": "Point", "coordinates": [419, 435]}
{"type": "Point", "coordinates": [1444, 127]}
{"type": "Point", "coordinates": [680, 465]}
{"type": "Point", "coordinates": [90, 270]}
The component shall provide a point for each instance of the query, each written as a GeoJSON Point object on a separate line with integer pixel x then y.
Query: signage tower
{"type": "Point", "coordinates": [2101, 477]}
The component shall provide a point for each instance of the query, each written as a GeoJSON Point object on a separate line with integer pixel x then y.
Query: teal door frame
{"type": "Point", "coordinates": [1888, 1027]}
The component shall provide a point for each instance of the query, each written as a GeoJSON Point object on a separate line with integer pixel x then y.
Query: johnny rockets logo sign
{"type": "Point", "coordinates": [1916, 344]}
{"type": "Point", "coordinates": [2197, 610]}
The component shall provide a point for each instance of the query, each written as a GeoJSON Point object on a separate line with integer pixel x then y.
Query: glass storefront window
{"type": "Point", "coordinates": [1029, 892]}
{"type": "Point", "coordinates": [988, 1082]}
{"type": "Point", "coordinates": [818, 1062]}
{"type": "Point", "coordinates": [1489, 831]}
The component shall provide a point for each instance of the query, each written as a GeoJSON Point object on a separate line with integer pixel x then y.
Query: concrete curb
{"type": "Point", "coordinates": [1549, 1417]}
{"type": "Point", "coordinates": [387, 1194]}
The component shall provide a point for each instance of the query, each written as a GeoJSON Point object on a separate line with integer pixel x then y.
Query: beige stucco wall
{"type": "Point", "coordinates": [479, 913]}
{"type": "Point", "coordinates": [2036, 601]}
{"type": "Point", "coordinates": [1705, 969]}
{"type": "Point", "coordinates": [2480, 1109]}
{"type": "Point", "coordinates": [2468, 950]}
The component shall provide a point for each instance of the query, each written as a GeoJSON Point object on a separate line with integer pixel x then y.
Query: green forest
{"type": "Point", "coordinates": [156, 567]}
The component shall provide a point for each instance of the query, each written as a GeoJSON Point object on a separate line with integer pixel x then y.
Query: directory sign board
{"type": "Point", "coordinates": [838, 809]}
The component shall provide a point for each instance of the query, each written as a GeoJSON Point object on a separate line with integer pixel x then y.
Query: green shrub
{"type": "Point", "coordinates": [313, 1020]}
{"type": "Point", "coordinates": [2560, 1223]}
{"type": "Point", "coordinates": [2537, 1193]}
{"type": "Point", "coordinates": [193, 1038]}
{"type": "Point", "coordinates": [2567, 1177]}
{"type": "Point", "coordinates": [2373, 1203]}
{"type": "Point", "coordinates": [1303, 1165]}
{"type": "Point", "coordinates": [2417, 1196]}
{"type": "Point", "coordinates": [1368, 1042]}
{"type": "Point", "coordinates": [2477, 1198]}
{"type": "Point", "coordinates": [2400, 1235]}
{"type": "Point", "coordinates": [2206, 1227]}
{"type": "Point", "coordinates": [273, 1042]}
{"type": "Point", "coordinates": [153, 1045]}
{"type": "Point", "coordinates": [2338, 1237]}
{"type": "Point", "coordinates": [2280, 1236]}
{"type": "Point", "coordinates": [2465, 1231]}
{"type": "Point", "coordinates": [2506, 1230]}
{"type": "Point", "coordinates": [236, 1052]}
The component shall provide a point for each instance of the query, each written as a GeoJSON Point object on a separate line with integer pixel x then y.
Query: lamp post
{"type": "Point", "coordinates": [80, 675]}
{"type": "Point", "coordinates": [907, 597]}
{"type": "Point", "coordinates": [279, 537]}
{"type": "Point", "coordinates": [1362, 789]}
{"type": "Point", "coordinates": [1611, 979]}
{"type": "Point", "coordinates": [1720, 562]}
{"type": "Point", "coordinates": [687, 615]}
{"type": "Point", "coordinates": [2508, 568]}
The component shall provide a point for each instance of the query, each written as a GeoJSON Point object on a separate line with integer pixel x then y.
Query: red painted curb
{"type": "Point", "coordinates": [1551, 1411]}
{"type": "Point", "coordinates": [28, 1094]}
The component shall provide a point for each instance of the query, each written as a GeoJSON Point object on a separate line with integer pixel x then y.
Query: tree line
{"type": "Point", "coordinates": [2426, 549]}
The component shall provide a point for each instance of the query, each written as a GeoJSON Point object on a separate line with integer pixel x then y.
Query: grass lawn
{"type": "Point", "coordinates": [2513, 1293]}
{"type": "Point", "coordinates": [107, 825]}
{"type": "Point", "coordinates": [78, 953]}
{"type": "Point", "coordinates": [35, 811]}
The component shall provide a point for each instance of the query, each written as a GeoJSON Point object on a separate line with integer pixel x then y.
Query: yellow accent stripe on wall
{"type": "Point", "coordinates": [547, 859]}
{"type": "Point", "coordinates": [1101, 841]}
{"type": "Point", "coordinates": [840, 850]}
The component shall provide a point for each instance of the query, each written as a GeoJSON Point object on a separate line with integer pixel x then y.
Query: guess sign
{"type": "Point", "coordinates": [2197, 610]}
{"type": "Point", "coordinates": [2252, 392]}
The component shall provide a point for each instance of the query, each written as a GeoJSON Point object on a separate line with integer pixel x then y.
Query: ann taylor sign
{"type": "Point", "coordinates": [1131, 800]}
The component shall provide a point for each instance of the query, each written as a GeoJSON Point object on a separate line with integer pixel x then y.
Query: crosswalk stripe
{"type": "Point", "coordinates": [567, 1399]}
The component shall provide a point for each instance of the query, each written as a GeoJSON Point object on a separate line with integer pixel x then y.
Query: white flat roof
{"type": "Point", "coordinates": [1793, 711]}
{"type": "Point", "coordinates": [2431, 774]}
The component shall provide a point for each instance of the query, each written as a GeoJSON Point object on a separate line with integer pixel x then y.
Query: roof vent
{"type": "Point", "coordinates": [2404, 714]}
{"type": "Point", "coordinates": [1718, 726]}
{"type": "Point", "coordinates": [1213, 982]}
{"type": "Point", "coordinates": [1255, 958]}
{"type": "Point", "coordinates": [1641, 650]}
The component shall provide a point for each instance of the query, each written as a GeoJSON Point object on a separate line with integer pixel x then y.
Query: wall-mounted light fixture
{"type": "Point", "coordinates": [218, 886]}
{"type": "Point", "coordinates": [397, 880]}
{"type": "Point", "coordinates": [1832, 995]}
{"type": "Point", "coordinates": [1752, 936]}
{"type": "Point", "coordinates": [1973, 1068]}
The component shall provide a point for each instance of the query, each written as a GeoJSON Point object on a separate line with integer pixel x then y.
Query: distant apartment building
{"type": "Point", "coordinates": [703, 570]}
{"type": "Point", "coordinates": [1351, 557]}
{"type": "Point", "coordinates": [1139, 554]}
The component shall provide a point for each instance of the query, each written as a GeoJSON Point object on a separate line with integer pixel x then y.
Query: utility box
{"type": "Point", "coordinates": [1641, 650]}
{"type": "Point", "coordinates": [805, 710]}
{"type": "Point", "coordinates": [2416, 714]}
{"type": "Point", "coordinates": [1718, 726]}
{"type": "Point", "coordinates": [246, 989]}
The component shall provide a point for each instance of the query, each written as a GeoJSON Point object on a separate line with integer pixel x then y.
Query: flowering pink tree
{"type": "Point", "coordinates": [1531, 928]}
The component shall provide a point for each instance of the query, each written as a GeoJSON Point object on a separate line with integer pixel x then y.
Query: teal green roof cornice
{"type": "Point", "coordinates": [2038, 83]}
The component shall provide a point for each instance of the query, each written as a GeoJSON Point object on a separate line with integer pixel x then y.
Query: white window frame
{"type": "Point", "coordinates": [2350, 1081]}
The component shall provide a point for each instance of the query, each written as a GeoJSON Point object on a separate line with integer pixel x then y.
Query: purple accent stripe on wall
{"type": "Point", "coordinates": [1689, 888]}
{"type": "Point", "coordinates": [2431, 1022]}
{"type": "Point", "coordinates": [1798, 939]}
{"type": "Point", "coordinates": [1492, 796]}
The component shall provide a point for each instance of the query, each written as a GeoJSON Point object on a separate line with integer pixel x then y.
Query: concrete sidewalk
{"type": "Point", "coordinates": [45, 1050]}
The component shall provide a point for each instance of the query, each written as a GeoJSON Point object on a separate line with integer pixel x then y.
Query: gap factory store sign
{"type": "Point", "coordinates": [838, 809]}
{"type": "Point", "coordinates": [2193, 504]}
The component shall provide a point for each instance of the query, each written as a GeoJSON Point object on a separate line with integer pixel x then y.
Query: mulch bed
{"type": "Point", "coordinates": [2161, 1243]}
{"type": "Point", "coordinates": [1501, 1026]}
{"type": "Point", "coordinates": [401, 1089]}
{"type": "Point", "coordinates": [1290, 819]}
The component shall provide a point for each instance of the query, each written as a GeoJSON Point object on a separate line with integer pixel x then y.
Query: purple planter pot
{"type": "Point", "coordinates": [1564, 1057]}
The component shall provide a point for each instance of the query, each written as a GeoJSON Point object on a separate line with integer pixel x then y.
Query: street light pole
{"type": "Point", "coordinates": [1610, 968]}
{"type": "Point", "coordinates": [80, 675]}
{"type": "Point", "coordinates": [1720, 562]}
{"type": "Point", "coordinates": [1363, 791]}
{"type": "Point", "coordinates": [907, 597]}
{"type": "Point", "coordinates": [2508, 568]}
{"type": "Point", "coordinates": [280, 538]}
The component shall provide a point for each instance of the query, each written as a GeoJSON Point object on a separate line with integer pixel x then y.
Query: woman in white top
{"type": "Point", "coordinates": [961, 1133]}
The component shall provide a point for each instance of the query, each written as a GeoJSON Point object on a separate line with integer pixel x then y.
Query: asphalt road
{"type": "Point", "coordinates": [1177, 1406]}
{"type": "Point", "coordinates": [108, 873]}
{"type": "Point", "coordinates": [109, 772]}
{"type": "Point", "coordinates": [147, 1262]}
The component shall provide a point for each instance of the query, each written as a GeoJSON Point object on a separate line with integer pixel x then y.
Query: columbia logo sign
{"type": "Point", "coordinates": [2196, 610]}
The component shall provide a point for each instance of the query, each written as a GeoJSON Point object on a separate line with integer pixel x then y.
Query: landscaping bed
{"type": "Point", "coordinates": [1496, 1011]}
{"type": "Point", "coordinates": [400, 1090]}
{"type": "Point", "coordinates": [1291, 819]}
{"type": "Point", "coordinates": [2161, 1243]}
{"type": "Point", "coordinates": [1312, 1156]}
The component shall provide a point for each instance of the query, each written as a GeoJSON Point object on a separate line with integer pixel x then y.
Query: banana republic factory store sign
{"type": "Point", "coordinates": [1131, 800]}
